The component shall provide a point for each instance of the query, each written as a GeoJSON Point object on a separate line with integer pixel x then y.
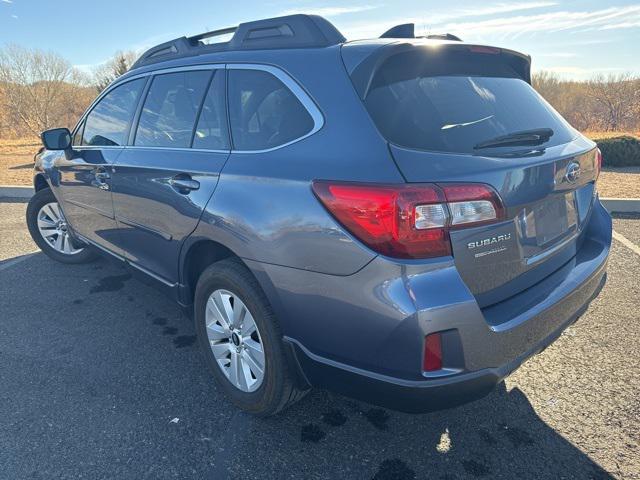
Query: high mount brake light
{"type": "Point", "coordinates": [408, 220]}
{"type": "Point", "coordinates": [485, 50]}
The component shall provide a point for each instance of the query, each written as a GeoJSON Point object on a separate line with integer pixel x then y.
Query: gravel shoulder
{"type": "Point", "coordinates": [620, 182]}
{"type": "Point", "coordinates": [16, 161]}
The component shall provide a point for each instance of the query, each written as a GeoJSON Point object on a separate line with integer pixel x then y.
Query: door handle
{"type": "Point", "coordinates": [184, 184]}
{"type": "Point", "coordinates": [101, 176]}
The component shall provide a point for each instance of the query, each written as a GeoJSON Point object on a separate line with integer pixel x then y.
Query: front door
{"type": "Point", "coordinates": [163, 181]}
{"type": "Point", "coordinates": [84, 183]}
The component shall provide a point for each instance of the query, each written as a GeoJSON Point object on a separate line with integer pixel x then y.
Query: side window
{"type": "Point", "coordinates": [263, 112]}
{"type": "Point", "coordinates": [211, 132]}
{"type": "Point", "coordinates": [77, 137]}
{"type": "Point", "coordinates": [108, 122]}
{"type": "Point", "coordinates": [170, 109]}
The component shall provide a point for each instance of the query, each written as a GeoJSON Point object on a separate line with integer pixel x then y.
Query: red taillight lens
{"type": "Point", "coordinates": [432, 358]}
{"type": "Point", "coordinates": [384, 216]}
{"type": "Point", "coordinates": [598, 162]}
{"type": "Point", "coordinates": [408, 220]}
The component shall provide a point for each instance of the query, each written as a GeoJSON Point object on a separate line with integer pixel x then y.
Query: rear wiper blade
{"type": "Point", "coordinates": [536, 136]}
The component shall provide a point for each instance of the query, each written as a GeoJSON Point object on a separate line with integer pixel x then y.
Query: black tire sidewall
{"type": "Point", "coordinates": [232, 276]}
{"type": "Point", "coordinates": [37, 201]}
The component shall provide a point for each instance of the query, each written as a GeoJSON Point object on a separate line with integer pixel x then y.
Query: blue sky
{"type": "Point", "coordinates": [575, 38]}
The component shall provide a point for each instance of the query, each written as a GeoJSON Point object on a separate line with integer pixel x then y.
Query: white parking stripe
{"type": "Point", "coordinates": [626, 242]}
{"type": "Point", "coordinates": [15, 261]}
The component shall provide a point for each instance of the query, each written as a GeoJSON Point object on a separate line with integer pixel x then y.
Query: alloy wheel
{"type": "Point", "coordinates": [54, 229]}
{"type": "Point", "coordinates": [235, 340]}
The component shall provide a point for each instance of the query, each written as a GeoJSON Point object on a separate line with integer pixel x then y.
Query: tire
{"type": "Point", "coordinates": [70, 253]}
{"type": "Point", "coordinates": [277, 389]}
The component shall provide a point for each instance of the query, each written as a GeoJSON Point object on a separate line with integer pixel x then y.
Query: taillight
{"type": "Point", "coordinates": [408, 220]}
{"type": "Point", "coordinates": [472, 204]}
{"type": "Point", "coordinates": [598, 162]}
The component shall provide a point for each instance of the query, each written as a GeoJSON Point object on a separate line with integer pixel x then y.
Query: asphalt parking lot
{"type": "Point", "coordinates": [100, 377]}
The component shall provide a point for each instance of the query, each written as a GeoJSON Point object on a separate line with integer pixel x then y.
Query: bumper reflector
{"type": "Point", "coordinates": [432, 359]}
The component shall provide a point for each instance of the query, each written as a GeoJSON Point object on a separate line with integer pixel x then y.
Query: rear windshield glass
{"type": "Point", "coordinates": [421, 107]}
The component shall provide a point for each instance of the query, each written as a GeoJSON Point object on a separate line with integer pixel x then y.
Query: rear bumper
{"type": "Point", "coordinates": [362, 335]}
{"type": "Point", "coordinates": [426, 395]}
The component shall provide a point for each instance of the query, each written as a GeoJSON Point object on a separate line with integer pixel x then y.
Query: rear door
{"type": "Point", "coordinates": [85, 179]}
{"type": "Point", "coordinates": [164, 179]}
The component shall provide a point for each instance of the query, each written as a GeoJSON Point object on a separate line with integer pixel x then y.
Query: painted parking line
{"type": "Point", "coordinates": [626, 242]}
{"type": "Point", "coordinates": [4, 264]}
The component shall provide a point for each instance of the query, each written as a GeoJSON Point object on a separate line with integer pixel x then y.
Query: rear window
{"type": "Point", "coordinates": [421, 104]}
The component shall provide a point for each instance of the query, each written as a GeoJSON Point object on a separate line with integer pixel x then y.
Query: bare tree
{"type": "Point", "coordinates": [39, 89]}
{"type": "Point", "coordinates": [602, 103]}
{"type": "Point", "coordinates": [113, 68]}
{"type": "Point", "coordinates": [548, 84]}
{"type": "Point", "coordinates": [618, 99]}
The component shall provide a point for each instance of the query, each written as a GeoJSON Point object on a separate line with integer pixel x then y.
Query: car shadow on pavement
{"type": "Point", "coordinates": [114, 370]}
{"type": "Point", "coordinates": [500, 436]}
{"type": "Point", "coordinates": [22, 167]}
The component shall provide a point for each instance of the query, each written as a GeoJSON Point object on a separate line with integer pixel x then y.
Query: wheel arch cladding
{"type": "Point", "coordinates": [39, 182]}
{"type": "Point", "coordinates": [197, 258]}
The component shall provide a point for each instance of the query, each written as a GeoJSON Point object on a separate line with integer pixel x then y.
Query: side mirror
{"type": "Point", "coordinates": [56, 139]}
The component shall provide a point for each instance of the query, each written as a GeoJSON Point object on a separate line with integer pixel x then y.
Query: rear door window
{"type": "Point", "coordinates": [108, 123]}
{"type": "Point", "coordinates": [212, 132]}
{"type": "Point", "coordinates": [170, 109]}
{"type": "Point", "coordinates": [419, 107]}
{"type": "Point", "coordinates": [263, 112]}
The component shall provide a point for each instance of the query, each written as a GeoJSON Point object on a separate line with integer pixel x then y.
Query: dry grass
{"type": "Point", "coordinates": [598, 135]}
{"type": "Point", "coordinates": [16, 160]}
{"type": "Point", "coordinates": [621, 182]}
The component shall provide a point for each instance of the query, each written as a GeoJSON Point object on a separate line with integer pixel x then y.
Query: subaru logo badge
{"type": "Point", "coordinates": [573, 172]}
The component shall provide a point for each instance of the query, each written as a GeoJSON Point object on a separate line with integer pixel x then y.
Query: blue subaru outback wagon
{"type": "Point", "coordinates": [402, 220]}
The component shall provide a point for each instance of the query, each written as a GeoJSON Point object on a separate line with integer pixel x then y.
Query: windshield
{"type": "Point", "coordinates": [414, 108]}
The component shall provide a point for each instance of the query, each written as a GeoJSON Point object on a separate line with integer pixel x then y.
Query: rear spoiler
{"type": "Point", "coordinates": [364, 71]}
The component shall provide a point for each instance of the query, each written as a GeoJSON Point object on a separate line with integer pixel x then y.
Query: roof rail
{"type": "Point", "coordinates": [291, 31]}
{"type": "Point", "coordinates": [213, 33]}
{"type": "Point", "coordinates": [408, 30]}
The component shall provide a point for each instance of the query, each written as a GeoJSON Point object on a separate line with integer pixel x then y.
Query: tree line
{"type": "Point", "coordinates": [40, 90]}
{"type": "Point", "coordinates": [605, 103]}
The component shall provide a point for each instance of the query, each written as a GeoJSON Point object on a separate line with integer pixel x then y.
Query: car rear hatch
{"type": "Point", "coordinates": [466, 114]}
